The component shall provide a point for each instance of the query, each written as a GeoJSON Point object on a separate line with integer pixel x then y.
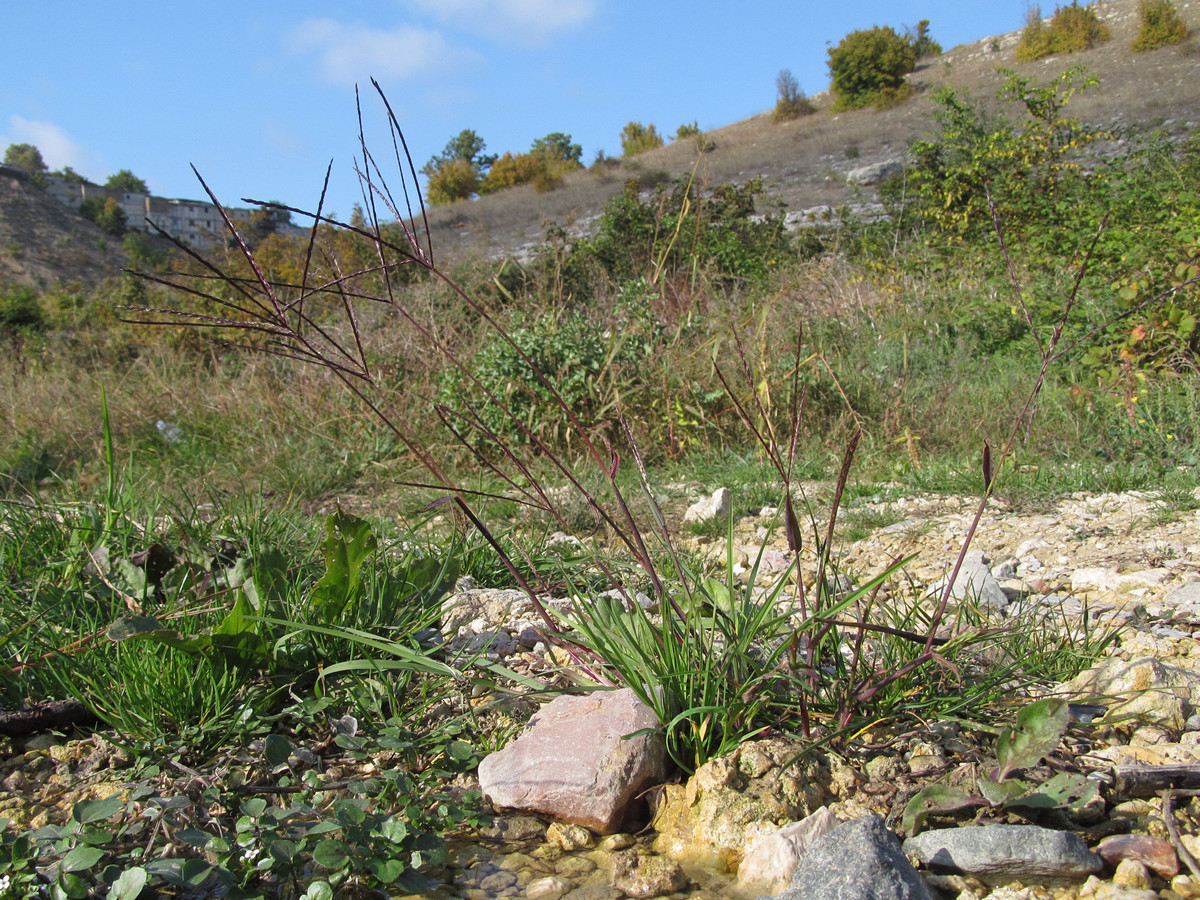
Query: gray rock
{"type": "Point", "coordinates": [861, 860]}
{"type": "Point", "coordinates": [714, 507]}
{"type": "Point", "coordinates": [771, 858]}
{"type": "Point", "coordinates": [874, 174]}
{"type": "Point", "coordinates": [573, 763]}
{"type": "Point", "coordinates": [1186, 596]}
{"type": "Point", "coordinates": [646, 876]}
{"type": "Point", "coordinates": [1004, 852]}
{"type": "Point", "coordinates": [975, 582]}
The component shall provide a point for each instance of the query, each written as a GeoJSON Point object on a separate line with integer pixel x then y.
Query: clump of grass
{"type": "Point", "coordinates": [719, 661]}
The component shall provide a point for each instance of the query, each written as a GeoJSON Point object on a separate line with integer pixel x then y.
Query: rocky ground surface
{"type": "Point", "coordinates": [1131, 559]}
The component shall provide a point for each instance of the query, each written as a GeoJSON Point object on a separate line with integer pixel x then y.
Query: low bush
{"type": "Point", "coordinates": [867, 63]}
{"type": "Point", "coordinates": [638, 138]}
{"type": "Point", "coordinates": [792, 103]}
{"type": "Point", "coordinates": [1072, 29]}
{"type": "Point", "coordinates": [1160, 26]}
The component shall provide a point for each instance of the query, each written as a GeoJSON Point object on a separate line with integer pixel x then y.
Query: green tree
{"type": "Point", "coordinates": [265, 221]}
{"type": "Point", "coordinates": [923, 45]}
{"type": "Point", "coordinates": [867, 65]}
{"type": "Point", "coordinates": [1160, 26]}
{"type": "Point", "coordinates": [455, 173]}
{"type": "Point", "coordinates": [1072, 29]}
{"type": "Point", "coordinates": [111, 218]}
{"type": "Point", "coordinates": [451, 181]}
{"type": "Point", "coordinates": [638, 138]}
{"type": "Point", "coordinates": [25, 156]}
{"type": "Point", "coordinates": [792, 102]}
{"type": "Point", "coordinates": [557, 147]}
{"type": "Point", "coordinates": [126, 181]}
{"type": "Point", "coordinates": [69, 175]}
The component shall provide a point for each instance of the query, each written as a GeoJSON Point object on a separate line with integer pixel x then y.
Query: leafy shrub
{"type": "Point", "coordinates": [1072, 29]}
{"type": "Point", "coordinates": [451, 181]}
{"type": "Point", "coordinates": [20, 309]}
{"type": "Point", "coordinates": [866, 63]}
{"type": "Point", "coordinates": [587, 361]}
{"type": "Point", "coordinates": [923, 45]}
{"type": "Point", "coordinates": [544, 165]}
{"type": "Point", "coordinates": [1026, 168]}
{"type": "Point", "coordinates": [1160, 26]}
{"type": "Point", "coordinates": [687, 130]}
{"type": "Point", "coordinates": [792, 102]}
{"type": "Point", "coordinates": [680, 229]}
{"type": "Point", "coordinates": [637, 138]}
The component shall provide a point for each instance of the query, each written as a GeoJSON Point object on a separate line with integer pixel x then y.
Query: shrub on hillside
{"type": "Point", "coordinates": [923, 45]}
{"type": "Point", "coordinates": [1160, 26]}
{"type": "Point", "coordinates": [791, 103]}
{"type": "Point", "coordinates": [1072, 29]}
{"type": "Point", "coordinates": [687, 130]}
{"type": "Point", "coordinates": [451, 181]}
{"type": "Point", "coordinates": [20, 309]}
{"type": "Point", "coordinates": [638, 138]}
{"type": "Point", "coordinates": [868, 63]}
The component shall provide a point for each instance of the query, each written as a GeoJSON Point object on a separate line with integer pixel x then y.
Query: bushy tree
{"type": "Point", "coordinates": [923, 45]}
{"type": "Point", "coordinates": [868, 64]}
{"type": "Point", "coordinates": [111, 218]}
{"type": "Point", "coordinates": [126, 181]}
{"type": "Point", "coordinates": [791, 102]}
{"type": "Point", "coordinates": [25, 156]}
{"type": "Point", "coordinates": [451, 181]}
{"type": "Point", "coordinates": [455, 173]}
{"type": "Point", "coordinates": [1072, 29]}
{"type": "Point", "coordinates": [266, 221]}
{"type": "Point", "coordinates": [70, 176]}
{"type": "Point", "coordinates": [638, 138]}
{"type": "Point", "coordinates": [1160, 26]}
{"type": "Point", "coordinates": [557, 147]}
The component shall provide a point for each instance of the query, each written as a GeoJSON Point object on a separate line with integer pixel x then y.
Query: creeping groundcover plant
{"type": "Point", "coordinates": [719, 660]}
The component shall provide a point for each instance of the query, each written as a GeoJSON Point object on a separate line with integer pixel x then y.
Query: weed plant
{"type": "Point", "coordinates": [718, 662]}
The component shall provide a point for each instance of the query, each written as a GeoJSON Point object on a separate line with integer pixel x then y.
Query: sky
{"type": "Point", "coordinates": [259, 95]}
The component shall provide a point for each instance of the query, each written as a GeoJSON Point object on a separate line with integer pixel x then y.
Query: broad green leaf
{"type": "Point", "coordinates": [347, 544]}
{"type": "Point", "coordinates": [283, 851]}
{"type": "Point", "coordinates": [254, 807]}
{"type": "Point", "coordinates": [193, 837]}
{"type": "Point", "coordinates": [331, 854]}
{"type": "Point", "coordinates": [1036, 734]}
{"type": "Point", "coordinates": [129, 884]}
{"type": "Point", "coordinates": [150, 629]}
{"type": "Point", "coordinates": [999, 793]}
{"type": "Point", "coordinates": [1066, 790]}
{"type": "Point", "coordinates": [349, 812]}
{"type": "Point", "coordinates": [393, 830]}
{"type": "Point", "coordinates": [81, 859]}
{"type": "Point", "coordinates": [318, 890]}
{"type": "Point", "coordinates": [387, 871]}
{"type": "Point", "coordinates": [937, 798]}
{"type": "Point", "coordinates": [87, 811]}
{"type": "Point", "coordinates": [276, 749]}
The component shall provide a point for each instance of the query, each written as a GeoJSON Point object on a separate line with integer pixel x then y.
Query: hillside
{"type": "Point", "coordinates": [43, 243]}
{"type": "Point", "coordinates": [804, 163]}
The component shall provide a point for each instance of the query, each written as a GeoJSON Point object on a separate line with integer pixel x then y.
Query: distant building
{"type": "Point", "coordinates": [196, 222]}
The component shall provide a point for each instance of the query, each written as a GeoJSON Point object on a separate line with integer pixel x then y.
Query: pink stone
{"type": "Point", "coordinates": [573, 765]}
{"type": "Point", "coordinates": [1152, 852]}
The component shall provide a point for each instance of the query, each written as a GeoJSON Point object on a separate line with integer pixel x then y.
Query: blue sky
{"type": "Point", "coordinates": [259, 95]}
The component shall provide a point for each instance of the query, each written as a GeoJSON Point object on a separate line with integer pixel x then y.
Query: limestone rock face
{"type": "Point", "coordinates": [731, 799]}
{"type": "Point", "coordinates": [573, 765]}
{"type": "Point", "coordinates": [1146, 689]}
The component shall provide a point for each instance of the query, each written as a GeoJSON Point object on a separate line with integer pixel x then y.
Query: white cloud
{"type": "Point", "coordinates": [353, 53]}
{"type": "Point", "coordinates": [57, 147]}
{"type": "Point", "coordinates": [521, 21]}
